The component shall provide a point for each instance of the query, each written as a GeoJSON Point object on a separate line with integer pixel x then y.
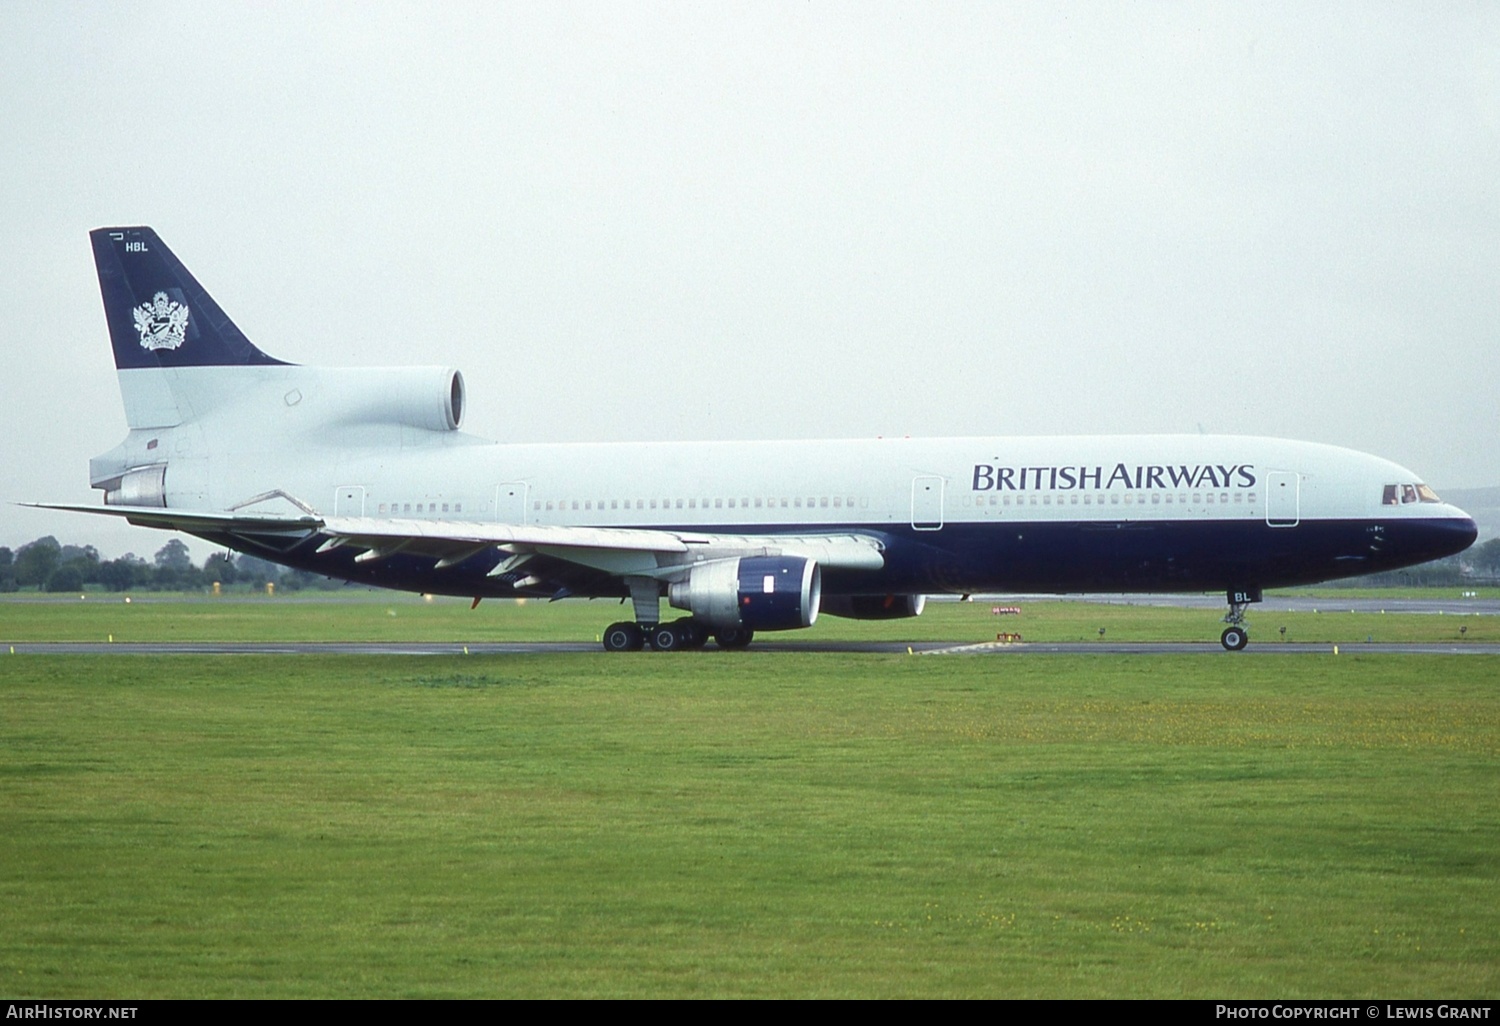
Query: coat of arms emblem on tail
{"type": "Point", "coordinates": [161, 322]}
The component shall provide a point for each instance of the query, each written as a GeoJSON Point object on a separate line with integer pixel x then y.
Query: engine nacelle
{"type": "Point", "coordinates": [874, 607]}
{"type": "Point", "coordinates": [139, 486]}
{"type": "Point", "coordinates": [761, 593]}
{"type": "Point", "coordinates": [430, 398]}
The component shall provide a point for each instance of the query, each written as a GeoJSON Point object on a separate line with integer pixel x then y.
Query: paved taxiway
{"type": "Point", "coordinates": [391, 648]}
{"type": "Point", "coordinates": [1453, 606]}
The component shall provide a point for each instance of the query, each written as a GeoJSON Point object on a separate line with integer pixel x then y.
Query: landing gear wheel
{"type": "Point", "coordinates": [734, 637]}
{"type": "Point", "coordinates": [680, 634]}
{"type": "Point", "coordinates": [693, 633]}
{"type": "Point", "coordinates": [669, 637]}
{"type": "Point", "coordinates": [623, 637]}
{"type": "Point", "coordinates": [1234, 638]}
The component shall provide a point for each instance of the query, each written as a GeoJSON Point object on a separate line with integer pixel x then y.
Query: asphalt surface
{"type": "Point", "coordinates": [1456, 605]}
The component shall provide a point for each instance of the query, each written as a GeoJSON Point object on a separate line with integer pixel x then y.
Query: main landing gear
{"type": "Point", "coordinates": [1236, 636]}
{"type": "Point", "coordinates": [672, 637]}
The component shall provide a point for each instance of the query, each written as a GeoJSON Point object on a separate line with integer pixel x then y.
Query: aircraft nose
{"type": "Point", "coordinates": [1470, 532]}
{"type": "Point", "coordinates": [1450, 535]}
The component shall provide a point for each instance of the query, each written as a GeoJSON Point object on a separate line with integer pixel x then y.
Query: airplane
{"type": "Point", "coordinates": [365, 474]}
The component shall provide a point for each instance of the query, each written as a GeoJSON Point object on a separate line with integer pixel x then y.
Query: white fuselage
{"type": "Point", "coordinates": [317, 434]}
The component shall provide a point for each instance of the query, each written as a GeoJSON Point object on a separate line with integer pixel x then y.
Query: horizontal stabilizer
{"type": "Point", "coordinates": [190, 521]}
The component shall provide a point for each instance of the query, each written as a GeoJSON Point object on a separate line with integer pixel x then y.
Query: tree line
{"type": "Point", "coordinates": [47, 565]}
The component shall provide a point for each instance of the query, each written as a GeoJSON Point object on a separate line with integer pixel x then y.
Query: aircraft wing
{"type": "Point", "coordinates": [618, 551]}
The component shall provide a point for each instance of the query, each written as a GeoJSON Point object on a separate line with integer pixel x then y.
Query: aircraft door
{"type": "Point", "coordinates": [1283, 500]}
{"type": "Point", "coordinates": [510, 502]}
{"type": "Point", "coordinates": [927, 503]}
{"type": "Point", "coordinates": [349, 501]}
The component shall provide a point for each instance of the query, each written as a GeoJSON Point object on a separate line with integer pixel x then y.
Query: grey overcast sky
{"type": "Point", "coordinates": [772, 220]}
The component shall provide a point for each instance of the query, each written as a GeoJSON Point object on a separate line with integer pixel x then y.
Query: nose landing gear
{"type": "Point", "coordinates": [1236, 636]}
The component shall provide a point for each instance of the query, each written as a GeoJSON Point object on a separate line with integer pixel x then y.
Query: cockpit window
{"type": "Point", "coordinates": [1400, 495]}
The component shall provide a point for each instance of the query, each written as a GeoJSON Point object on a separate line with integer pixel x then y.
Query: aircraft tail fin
{"type": "Point", "coordinates": [158, 314]}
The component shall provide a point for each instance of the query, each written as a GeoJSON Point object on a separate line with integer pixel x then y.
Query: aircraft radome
{"type": "Point", "coordinates": [365, 475]}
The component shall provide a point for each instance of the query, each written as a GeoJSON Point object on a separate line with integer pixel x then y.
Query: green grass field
{"type": "Point", "coordinates": [363, 616]}
{"type": "Point", "coordinates": [758, 824]}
